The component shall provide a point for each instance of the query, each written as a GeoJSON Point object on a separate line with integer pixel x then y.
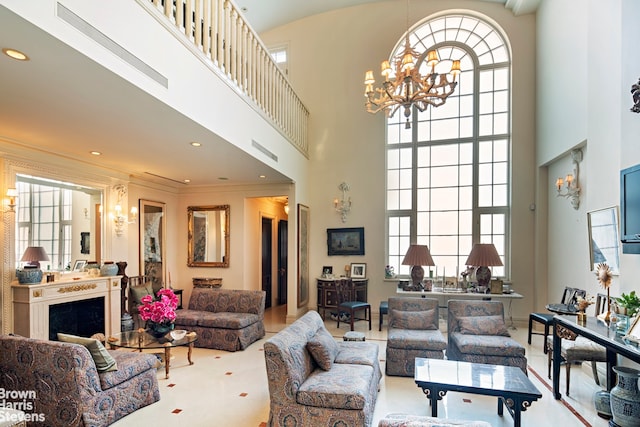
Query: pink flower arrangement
{"type": "Point", "coordinates": [161, 309]}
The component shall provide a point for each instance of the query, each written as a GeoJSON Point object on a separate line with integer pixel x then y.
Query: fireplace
{"type": "Point", "coordinates": [83, 318]}
{"type": "Point", "coordinates": [44, 309]}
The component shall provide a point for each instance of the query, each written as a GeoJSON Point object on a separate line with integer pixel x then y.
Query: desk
{"type": "Point", "coordinates": [444, 297]}
{"type": "Point", "coordinates": [597, 331]}
{"type": "Point", "coordinates": [328, 295]}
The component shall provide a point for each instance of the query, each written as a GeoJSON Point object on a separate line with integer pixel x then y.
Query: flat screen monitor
{"type": "Point", "coordinates": [630, 209]}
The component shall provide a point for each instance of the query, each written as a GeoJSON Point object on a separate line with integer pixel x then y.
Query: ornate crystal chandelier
{"type": "Point", "coordinates": [406, 86]}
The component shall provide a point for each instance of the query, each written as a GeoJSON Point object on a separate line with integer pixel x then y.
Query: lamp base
{"type": "Point", "coordinates": [29, 276]}
{"type": "Point", "coordinates": [417, 274]}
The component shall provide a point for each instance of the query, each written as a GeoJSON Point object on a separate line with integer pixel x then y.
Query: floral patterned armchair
{"type": "Point", "coordinates": [477, 333]}
{"type": "Point", "coordinates": [413, 332]}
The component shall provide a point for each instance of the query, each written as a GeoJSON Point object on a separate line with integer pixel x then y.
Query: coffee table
{"type": "Point", "coordinates": [141, 340]}
{"type": "Point", "coordinates": [512, 387]}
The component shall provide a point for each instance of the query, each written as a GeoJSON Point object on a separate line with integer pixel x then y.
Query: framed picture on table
{"type": "Point", "coordinates": [358, 270]}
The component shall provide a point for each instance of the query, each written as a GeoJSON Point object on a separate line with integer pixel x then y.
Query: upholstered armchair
{"type": "Point", "coordinates": [477, 333]}
{"type": "Point", "coordinates": [413, 332]}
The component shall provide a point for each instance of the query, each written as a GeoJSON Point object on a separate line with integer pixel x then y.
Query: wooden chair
{"type": "Point", "coordinates": [569, 296]}
{"type": "Point", "coordinates": [578, 349]}
{"type": "Point", "coordinates": [347, 303]}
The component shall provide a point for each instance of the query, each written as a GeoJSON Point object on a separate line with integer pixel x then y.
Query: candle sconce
{"type": "Point", "coordinates": [343, 207]}
{"type": "Point", "coordinates": [572, 186]}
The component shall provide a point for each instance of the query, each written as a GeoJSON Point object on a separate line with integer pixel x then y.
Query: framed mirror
{"type": "Point", "coordinates": [604, 238]}
{"type": "Point", "coordinates": [153, 223]}
{"type": "Point", "coordinates": [208, 236]}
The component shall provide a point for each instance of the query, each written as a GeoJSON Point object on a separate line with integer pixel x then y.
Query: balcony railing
{"type": "Point", "coordinates": [216, 29]}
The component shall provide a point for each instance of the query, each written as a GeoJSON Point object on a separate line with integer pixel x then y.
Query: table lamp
{"type": "Point", "coordinates": [417, 256]}
{"type": "Point", "coordinates": [31, 272]}
{"type": "Point", "coordinates": [482, 256]}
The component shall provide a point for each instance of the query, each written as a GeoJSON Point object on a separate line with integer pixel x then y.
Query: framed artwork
{"type": "Point", "coordinates": [303, 255]}
{"type": "Point", "coordinates": [153, 223]}
{"type": "Point", "coordinates": [358, 270]}
{"type": "Point", "coordinates": [79, 264]}
{"type": "Point", "coordinates": [345, 241]}
{"type": "Point", "coordinates": [604, 238]}
{"type": "Point", "coordinates": [85, 242]}
{"type": "Point", "coordinates": [633, 334]}
{"type": "Point", "coordinates": [327, 271]}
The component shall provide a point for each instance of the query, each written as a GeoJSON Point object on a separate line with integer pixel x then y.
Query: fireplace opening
{"type": "Point", "coordinates": [83, 318]}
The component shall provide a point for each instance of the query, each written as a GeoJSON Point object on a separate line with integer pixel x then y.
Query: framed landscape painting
{"type": "Point", "coordinates": [345, 241]}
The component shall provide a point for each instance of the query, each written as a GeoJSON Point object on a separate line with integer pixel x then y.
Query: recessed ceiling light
{"type": "Point", "coordinates": [15, 54]}
{"type": "Point", "coordinates": [187, 181]}
{"type": "Point", "coordinates": [95, 153]}
{"type": "Point", "coordinates": [262, 176]}
{"type": "Point", "coordinates": [195, 144]}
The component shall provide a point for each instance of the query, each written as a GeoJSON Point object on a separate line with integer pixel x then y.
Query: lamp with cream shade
{"type": "Point", "coordinates": [482, 256]}
{"type": "Point", "coordinates": [417, 256]}
{"type": "Point", "coordinates": [31, 272]}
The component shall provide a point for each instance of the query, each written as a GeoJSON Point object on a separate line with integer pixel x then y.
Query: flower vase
{"type": "Point", "coordinates": [159, 330]}
{"type": "Point", "coordinates": [625, 398]}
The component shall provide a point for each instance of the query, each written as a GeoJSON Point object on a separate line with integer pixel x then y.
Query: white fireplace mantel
{"type": "Point", "coordinates": [31, 303]}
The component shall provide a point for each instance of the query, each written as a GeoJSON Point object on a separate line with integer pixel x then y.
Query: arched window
{"type": "Point", "coordinates": [448, 175]}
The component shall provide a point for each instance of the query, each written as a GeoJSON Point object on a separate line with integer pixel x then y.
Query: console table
{"type": "Point", "coordinates": [598, 332]}
{"type": "Point", "coordinates": [443, 298]}
{"type": "Point", "coordinates": [328, 295]}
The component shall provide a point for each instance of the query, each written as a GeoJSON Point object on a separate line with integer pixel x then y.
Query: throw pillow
{"type": "Point", "coordinates": [138, 292]}
{"type": "Point", "coordinates": [323, 348]}
{"type": "Point", "coordinates": [422, 320]}
{"type": "Point", "coordinates": [101, 357]}
{"type": "Point", "coordinates": [483, 325]}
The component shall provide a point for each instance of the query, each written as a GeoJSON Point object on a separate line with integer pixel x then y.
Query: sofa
{"type": "Point", "coordinates": [413, 332]}
{"type": "Point", "coordinates": [316, 381]}
{"type": "Point", "coordinates": [477, 333]}
{"type": "Point", "coordinates": [224, 319]}
{"type": "Point", "coordinates": [63, 386]}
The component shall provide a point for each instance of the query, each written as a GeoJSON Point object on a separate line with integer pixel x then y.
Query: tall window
{"type": "Point", "coordinates": [44, 219]}
{"type": "Point", "coordinates": [448, 175]}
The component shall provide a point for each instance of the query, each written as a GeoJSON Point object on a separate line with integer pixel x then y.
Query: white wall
{"type": "Point", "coordinates": [348, 143]}
{"type": "Point", "coordinates": [586, 66]}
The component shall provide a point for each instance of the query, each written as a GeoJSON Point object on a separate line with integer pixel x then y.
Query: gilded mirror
{"type": "Point", "coordinates": [208, 236]}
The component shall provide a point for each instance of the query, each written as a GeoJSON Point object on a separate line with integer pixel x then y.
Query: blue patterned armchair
{"type": "Point", "coordinates": [64, 387]}
{"type": "Point", "coordinates": [413, 332]}
{"type": "Point", "coordinates": [477, 333]}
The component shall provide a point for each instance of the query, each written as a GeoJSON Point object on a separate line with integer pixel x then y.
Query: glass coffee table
{"type": "Point", "coordinates": [508, 383]}
{"type": "Point", "coordinates": [141, 340]}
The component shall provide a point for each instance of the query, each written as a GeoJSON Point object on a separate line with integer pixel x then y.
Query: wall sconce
{"type": "Point", "coordinates": [12, 195]}
{"type": "Point", "coordinates": [572, 190]}
{"type": "Point", "coordinates": [343, 207]}
{"type": "Point", "coordinates": [119, 220]}
{"type": "Point", "coordinates": [286, 207]}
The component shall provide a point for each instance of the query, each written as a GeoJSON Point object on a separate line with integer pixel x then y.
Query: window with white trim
{"type": "Point", "coordinates": [448, 175]}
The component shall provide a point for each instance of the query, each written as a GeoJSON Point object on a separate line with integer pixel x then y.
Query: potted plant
{"type": "Point", "coordinates": [628, 305]}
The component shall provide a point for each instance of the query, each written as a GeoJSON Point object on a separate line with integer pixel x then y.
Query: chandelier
{"type": "Point", "coordinates": [407, 87]}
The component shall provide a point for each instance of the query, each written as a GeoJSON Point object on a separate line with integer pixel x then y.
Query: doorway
{"type": "Point", "coordinates": [283, 243]}
{"type": "Point", "coordinates": [267, 254]}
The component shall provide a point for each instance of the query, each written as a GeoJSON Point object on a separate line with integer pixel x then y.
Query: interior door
{"type": "Point", "coordinates": [267, 254]}
{"type": "Point", "coordinates": [283, 227]}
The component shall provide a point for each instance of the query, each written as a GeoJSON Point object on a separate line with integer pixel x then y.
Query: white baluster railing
{"type": "Point", "coordinates": [217, 30]}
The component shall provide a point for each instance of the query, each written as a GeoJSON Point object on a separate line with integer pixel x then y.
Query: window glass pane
{"type": "Point", "coordinates": [444, 129]}
{"type": "Point", "coordinates": [486, 124]}
{"type": "Point", "coordinates": [501, 123]}
{"type": "Point", "coordinates": [466, 127]}
{"type": "Point", "coordinates": [405, 178]}
{"type": "Point", "coordinates": [484, 174]}
{"type": "Point", "coordinates": [500, 195]}
{"type": "Point", "coordinates": [405, 199]}
{"type": "Point", "coordinates": [444, 176]}
{"type": "Point", "coordinates": [447, 198]}
{"type": "Point", "coordinates": [444, 155]}
{"type": "Point", "coordinates": [500, 173]}
{"type": "Point", "coordinates": [485, 194]}
{"type": "Point", "coordinates": [405, 158]}
{"type": "Point", "coordinates": [445, 222]}
{"type": "Point", "coordinates": [424, 156]}
{"type": "Point", "coordinates": [485, 152]}
{"type": "Point", "coordinates": [486, 103]}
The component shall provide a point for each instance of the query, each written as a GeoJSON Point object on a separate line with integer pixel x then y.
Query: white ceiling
{"type": "Point", "coordinates": [62, 102]}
